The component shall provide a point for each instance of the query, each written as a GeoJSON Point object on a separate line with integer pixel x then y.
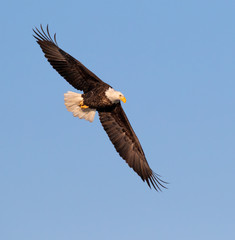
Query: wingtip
{"type": "Point", "coordinates": [41, 35]}
{"type": "Point", "coordinates": [156, 182]}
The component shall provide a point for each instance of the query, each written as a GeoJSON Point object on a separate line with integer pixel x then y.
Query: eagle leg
{"type": "Point", "coordinates": [81, 104]}
{"type": "Point", "coordinates": [84, 106]}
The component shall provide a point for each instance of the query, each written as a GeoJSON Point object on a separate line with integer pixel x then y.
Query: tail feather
{"type": "Point", "coordinates": [72, 101]}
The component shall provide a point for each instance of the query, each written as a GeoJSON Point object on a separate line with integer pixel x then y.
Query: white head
{"type": "Point", "coordinates": [114, 96]}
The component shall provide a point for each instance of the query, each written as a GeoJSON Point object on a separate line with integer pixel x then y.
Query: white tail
{"type": "Point", "coordinates": [72, 101]}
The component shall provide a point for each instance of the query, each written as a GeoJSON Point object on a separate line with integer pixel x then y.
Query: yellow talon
{"type": "Point", "coordinates": [84, 106]}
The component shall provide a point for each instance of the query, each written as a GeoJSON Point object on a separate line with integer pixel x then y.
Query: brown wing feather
{"type": "Point", "coordinates": [123, 137]}
{"type": "Point", "coordinates": [68, 67]}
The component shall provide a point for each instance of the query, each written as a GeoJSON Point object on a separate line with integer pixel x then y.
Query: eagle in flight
{"type": "Point", "coordinates": [101, 97]}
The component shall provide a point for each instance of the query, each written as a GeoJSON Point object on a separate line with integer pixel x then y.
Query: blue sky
{"type": "Point", "coordinates": [60, 177]}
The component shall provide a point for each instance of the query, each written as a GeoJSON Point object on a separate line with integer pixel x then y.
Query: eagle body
{"type": "Point", "coordinates": [99, 97]}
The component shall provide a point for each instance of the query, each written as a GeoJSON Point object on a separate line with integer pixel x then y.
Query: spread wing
{"type": "Point", "coordinates": [68, 67]}
{"type": "Point", "coordinates": [121, 134]}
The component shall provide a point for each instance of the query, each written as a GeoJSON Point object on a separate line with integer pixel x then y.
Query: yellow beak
{"type": "Point", "coordinates": [123, 99]}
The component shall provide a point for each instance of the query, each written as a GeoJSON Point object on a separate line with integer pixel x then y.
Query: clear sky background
{"type": "Point", "coordinates": [61, 178]}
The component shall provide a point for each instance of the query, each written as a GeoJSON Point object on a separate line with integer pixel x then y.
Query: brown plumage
{"type": "Point", "coordinates": [111, 114]}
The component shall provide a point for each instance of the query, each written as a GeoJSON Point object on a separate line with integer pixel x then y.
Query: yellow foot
{"type": "Point", "coordinates": [84, 106]}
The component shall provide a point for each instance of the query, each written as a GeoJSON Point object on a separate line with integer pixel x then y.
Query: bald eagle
{"type": "Point", "coordinates": [101, 97]}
